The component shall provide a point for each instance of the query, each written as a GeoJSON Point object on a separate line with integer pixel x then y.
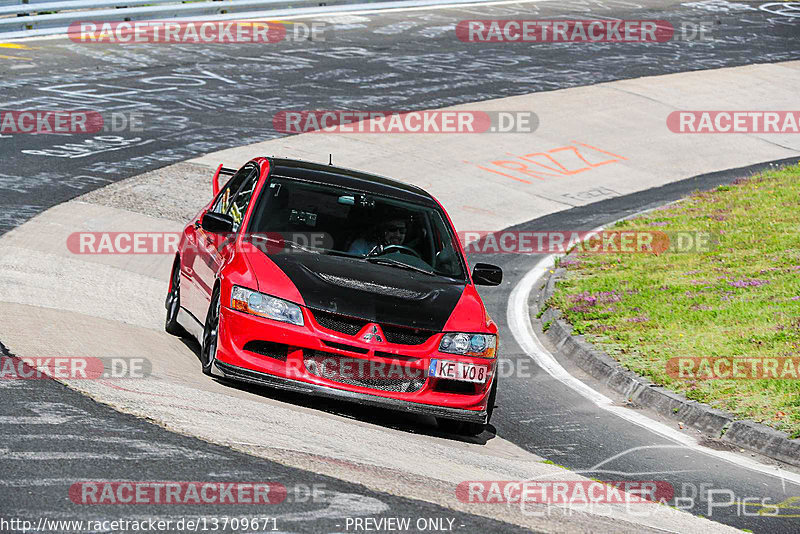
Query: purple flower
{"type": "Point", "coordinates": [795, 298]}
{"type": "Point", "coordinates": [748, 282]}
{"type": "Point", "coordinates": [659, 223]}
{"type": "Point", "coordinates": [590, 299]}
{"type": "Point", "coordinates": [640, 319]}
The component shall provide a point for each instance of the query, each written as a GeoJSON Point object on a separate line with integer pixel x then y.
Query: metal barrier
{"type": "Point", "coordinates": [48, 6]}
{"type": "Point", "coordinates": [39, 17]}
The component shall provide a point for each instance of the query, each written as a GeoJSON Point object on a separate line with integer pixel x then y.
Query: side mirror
{"type": "Point", "coordinates": [217, 223]}
{"type": "Point", "coordinates": [487, 275]}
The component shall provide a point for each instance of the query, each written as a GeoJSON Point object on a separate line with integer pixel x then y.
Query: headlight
{"type": "Point", "coordinates": [250, 301]}
{"type": "Point", "coordinates": [483, 345]}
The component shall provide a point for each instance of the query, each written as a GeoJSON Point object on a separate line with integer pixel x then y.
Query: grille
{"type": "Point", "coordinates": [339, 323]}
{"type": "Point", "coordinates": [342, 346]}
{"type": "Point", "coordinates": [356, 372]}
{"type": "Point", "coordinates": [351, 326]}
{"type": "Point", "coordinates": [277, 351]}
{"type": "Point", "coordinates": [406, 336]}
{"type": "Point", "coordinates": [382, 354]}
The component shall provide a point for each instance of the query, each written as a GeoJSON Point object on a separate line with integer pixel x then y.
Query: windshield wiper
{"type": "Point", "coordinates": [332, 252]}
{"type": "Point", "coordinates": [283, 243]}
{"type": "Point", "coordinates": [400, 264]}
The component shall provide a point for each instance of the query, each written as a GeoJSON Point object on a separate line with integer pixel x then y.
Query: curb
{"type": "Point", "coordinates": [715, 424]}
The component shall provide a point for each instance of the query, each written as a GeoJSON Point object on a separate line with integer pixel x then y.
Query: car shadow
{"type": "Point", "coordinates": [385, 417]}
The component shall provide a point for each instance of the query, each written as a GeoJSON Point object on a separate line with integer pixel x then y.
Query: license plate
{"type": "Point", "coordinates": [466, 372]}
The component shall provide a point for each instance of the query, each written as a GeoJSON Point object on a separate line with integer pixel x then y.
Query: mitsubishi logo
{"type": "Point", "coordinates": [373, 335]}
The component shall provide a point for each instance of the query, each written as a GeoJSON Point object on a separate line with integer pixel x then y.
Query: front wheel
{"type": "Point", "coordinates": [208, 352]}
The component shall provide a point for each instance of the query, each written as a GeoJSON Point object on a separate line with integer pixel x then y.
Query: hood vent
{"type": "Point", "coordinates": [372, 287]}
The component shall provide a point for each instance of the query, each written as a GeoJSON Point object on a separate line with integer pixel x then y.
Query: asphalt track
{"type": "Point", "coordinates": [65, 438]}
{"type": "Point", "coordinates": [199, 98]}
{"type": "Point", "coordinates": [546, 419]}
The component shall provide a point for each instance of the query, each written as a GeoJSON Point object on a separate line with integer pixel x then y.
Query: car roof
{"type": "Point", "coordinates": [350, 179]}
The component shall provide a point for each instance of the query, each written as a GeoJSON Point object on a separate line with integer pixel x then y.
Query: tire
{"type": "Point", "coordinates": [208, 350]}
{"type": "Point", "coordinates": [490, 402]}
{"type": "Point", "coordinates": [452, 426]}
{"type": "Point", "coordinates": [173, 302]}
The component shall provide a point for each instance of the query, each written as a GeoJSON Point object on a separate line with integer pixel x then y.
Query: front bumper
{"type": "Point", "coordinates": [293, 370]}
{"type": "Point", "coordinates": [254, 377]}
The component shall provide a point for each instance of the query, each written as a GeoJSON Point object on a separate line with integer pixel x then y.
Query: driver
{"type": "Point", "coordinates": [390, 232]}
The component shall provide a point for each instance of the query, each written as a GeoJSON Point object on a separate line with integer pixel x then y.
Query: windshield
{"type": "Point", "coordinates": [316, 218]}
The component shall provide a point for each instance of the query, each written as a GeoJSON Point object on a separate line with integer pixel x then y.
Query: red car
{"type": "Point", "coordinates": [337, 283]}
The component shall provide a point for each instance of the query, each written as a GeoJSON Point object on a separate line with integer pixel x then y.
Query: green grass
{"type": "Point", "coordinates": [742, 299]}
{"type": "Point", "coordinates": [551, 462]}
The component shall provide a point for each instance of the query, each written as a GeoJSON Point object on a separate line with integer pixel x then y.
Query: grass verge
{"type": "Point", "coordinates": [739, 300]}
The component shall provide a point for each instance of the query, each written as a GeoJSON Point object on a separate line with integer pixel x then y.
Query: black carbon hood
{"type": "Point", "coordinates": [375, 293]}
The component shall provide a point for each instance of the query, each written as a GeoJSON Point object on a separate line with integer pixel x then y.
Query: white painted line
{"type": "Point", "coordinates": [519, 321]}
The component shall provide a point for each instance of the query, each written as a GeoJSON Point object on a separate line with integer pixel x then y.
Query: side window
{"type": "Point", "coordinates": [223, 203]}
{"type": "Point", "coordinates": [447, 259]}
{"type": "Point", "coordinates": [239, 203]}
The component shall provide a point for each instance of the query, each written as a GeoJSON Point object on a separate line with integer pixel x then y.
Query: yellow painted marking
{"type": "Point", "coordinates": [15, 57]}
{"type": "Point", "coordinates": [14, 45]}
{"type": "Point", "coordinates": [772, 510]}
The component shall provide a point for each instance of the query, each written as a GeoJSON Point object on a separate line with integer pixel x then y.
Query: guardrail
{"type": "Point", "coordinates": [41, 17]}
